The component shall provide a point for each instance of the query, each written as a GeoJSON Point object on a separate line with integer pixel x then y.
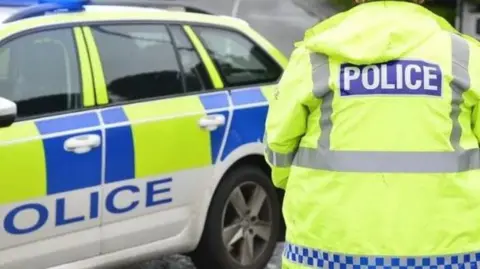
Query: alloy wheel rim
{"type": "Point", "coordinates": [247, 223]}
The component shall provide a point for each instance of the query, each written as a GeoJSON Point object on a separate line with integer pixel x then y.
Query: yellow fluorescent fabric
{"type": "Point", "coordinates": [286, 122]}
{"type": "Point", "coordinates": [383, 214]}
{"type": "Point", "coordinates": [378, 175]}
{"type": "Point", "coordinates": [21, 180]}
{"type": "Point", "coordinates": [268, 91]}
{"type": "Point", "coordinates": [167, 137]}
{"type": "Point", "coordinates": [475, 80]}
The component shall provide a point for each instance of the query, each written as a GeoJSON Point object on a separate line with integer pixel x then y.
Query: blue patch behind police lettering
{"type": "Point", "coordinates": [400, 77]}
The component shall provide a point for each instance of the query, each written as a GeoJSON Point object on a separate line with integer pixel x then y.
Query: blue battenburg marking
{"type": "Point", "coordinates": [68, 123]}
{"type": "Point", "coordinates": [113, 115]}
{"type": "Point", "coordinates": [120, 163]}
{"type": "Point", "coordinates": [248, 124]}
{"type": "Point", "coordinates": [401, 77]}
{"type": "Point", "coordinates": [214, 102]}
{"type": "Point", "coordinates": [247, 96]}
{"type": "Point", "coordinates": [120, 154]}
{"type": "Point", "coordinates": [67, 171]}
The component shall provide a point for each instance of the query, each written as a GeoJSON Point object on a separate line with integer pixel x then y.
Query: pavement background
{"type": "Point", "coordinates": [282, 22]}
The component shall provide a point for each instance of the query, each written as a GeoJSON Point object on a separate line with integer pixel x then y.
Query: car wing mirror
{"type": "Point", "coordinates": [8, 112]}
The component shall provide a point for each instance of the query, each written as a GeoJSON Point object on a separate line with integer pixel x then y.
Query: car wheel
{"type": "Point", "coordinates": [242, 223]}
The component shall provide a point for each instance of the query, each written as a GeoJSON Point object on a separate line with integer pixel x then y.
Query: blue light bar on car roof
{"type": "Point", "coordinates": [42, 7]}
{"type": "Point", "coordinates": [17, 3]}
{"type": "Point", "coordinates": [65, 2]}
{"type": "Point", "coordinates": [24, 3]}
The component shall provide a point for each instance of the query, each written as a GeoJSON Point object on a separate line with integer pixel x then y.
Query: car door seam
{"type": "Point", "coordinates": [227, 127]}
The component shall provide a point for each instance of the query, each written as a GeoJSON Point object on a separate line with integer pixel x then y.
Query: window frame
{"type": "Point", "coordinates": [73, 25]}
{"type": "Point", "coordinates": [167, 25]}
{"type": "Point", "coordinates": [182, 23]}
{"type": "Point", "coordinates": [202, 80]}
{"type": "Point", "coordinates": [71, 28]}
{"type": "Point", "coordinates": [177, 56]}
{"type": "Point", "coordinates": [249, 39]}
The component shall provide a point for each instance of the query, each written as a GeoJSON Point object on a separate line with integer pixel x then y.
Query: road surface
{"type": "Point", "coordinates": [181, 262]}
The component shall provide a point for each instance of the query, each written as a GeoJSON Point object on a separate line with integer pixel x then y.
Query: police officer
{"type": "Point", "coordinates": [374, 135]}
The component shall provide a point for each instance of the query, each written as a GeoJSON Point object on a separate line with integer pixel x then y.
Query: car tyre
{"type": "Point", "coordinates": [242, 223]}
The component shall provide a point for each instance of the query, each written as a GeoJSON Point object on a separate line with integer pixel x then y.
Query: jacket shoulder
{"type": "Point", "coordinates": [472, 42]}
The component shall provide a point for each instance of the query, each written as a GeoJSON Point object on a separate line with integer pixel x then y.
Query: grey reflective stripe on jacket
{"type": "Point", "coordinates": [279, 159]}
{"type": "Point", "coordinates": [319, 66]}
{"type": "Point", "coordinates": [391, 162]}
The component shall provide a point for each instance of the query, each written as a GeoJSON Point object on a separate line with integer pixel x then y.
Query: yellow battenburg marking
{"type": "Point", "coordinates": [98, 76]}
{"type": "Point", "coordinates": [167, 137]}
{"type": "Point", "coordinates": [21, 179]}
{"type": "Point", "coordinates": [87, 80]}
{"type": "Point", "coordinates": [207, 60]}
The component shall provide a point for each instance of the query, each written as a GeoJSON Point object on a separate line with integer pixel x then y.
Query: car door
{"type": "Point", "coordinates": [161, 142]}
{"type": "Point", "coordinates": [250, 74]}
{"type": "Point", "coordinates": [51, 157]}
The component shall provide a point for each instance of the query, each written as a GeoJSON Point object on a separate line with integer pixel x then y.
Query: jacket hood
{"type": "Point", "coordinates": [374, 32]}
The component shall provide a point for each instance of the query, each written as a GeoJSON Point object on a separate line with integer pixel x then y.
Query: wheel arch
{"type": "Point", "coordinates": [258, 160]}
{"type": "Point", "coordinates": [255, 159]}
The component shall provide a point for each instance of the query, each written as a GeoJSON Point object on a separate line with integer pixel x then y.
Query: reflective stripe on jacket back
{"type": "Point", "coordinates": [448, 161]}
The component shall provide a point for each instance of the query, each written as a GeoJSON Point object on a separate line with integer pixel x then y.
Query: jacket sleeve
{"type": "Point", "coordinates": [475, 84]}
{"type": "Point", "coordinates": [476, 121]}
{"type": "Point", "coordinates": [287, 116]}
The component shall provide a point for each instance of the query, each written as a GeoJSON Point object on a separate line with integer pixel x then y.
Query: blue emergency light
{"type": "Point", "coordinates": [35, 8]}
{"type": "Point", "coordinates": [17, 3]}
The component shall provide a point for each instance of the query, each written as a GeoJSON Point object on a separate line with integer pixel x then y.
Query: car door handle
{"type": "Point", "coordinates": [212, 122]}
{"type": "Point", "coordinates": [82, 144]}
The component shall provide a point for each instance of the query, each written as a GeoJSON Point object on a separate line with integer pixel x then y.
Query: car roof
{"type": "Point", "coordinates": [102, 12]}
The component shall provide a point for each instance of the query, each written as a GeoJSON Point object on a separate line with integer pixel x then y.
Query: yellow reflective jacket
{"type": "Point", "coordinates": [374, 135]}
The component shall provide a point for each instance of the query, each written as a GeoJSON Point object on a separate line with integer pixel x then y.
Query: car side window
{"type": "Point", "coordinates": [196, 75]}
{"type": "Point", "coordinates": [40, 73]}
{"type": "Point", "coordinates": [139, 61]}
{"type": "Point", "coordinates": [240, 61]}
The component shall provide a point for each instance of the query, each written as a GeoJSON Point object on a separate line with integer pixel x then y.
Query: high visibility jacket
{"type": "Point", "coordinates": [374, 135]}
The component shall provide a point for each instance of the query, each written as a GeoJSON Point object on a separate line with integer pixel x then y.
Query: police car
{"type": "Point", "coordinates": [130, 132]}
